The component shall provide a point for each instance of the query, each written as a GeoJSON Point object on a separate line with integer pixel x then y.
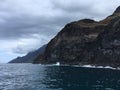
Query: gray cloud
{"type": "Point", "coordinates": [17, 27]}
{"type": "Point", "coordinates": [86, 9]}
{"type": "Point", "coordinates": [21, 24]}
{"type": "Point", "coordinates": [23, 19]}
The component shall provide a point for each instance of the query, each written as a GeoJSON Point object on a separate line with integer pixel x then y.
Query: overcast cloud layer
{"type": "Point", "coordinates": [25, 25]}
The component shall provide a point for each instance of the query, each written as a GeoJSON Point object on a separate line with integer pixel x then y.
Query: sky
{"type": "Point", "coordinates": [26, 25]}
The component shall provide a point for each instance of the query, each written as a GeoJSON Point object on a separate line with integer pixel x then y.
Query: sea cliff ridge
{"type": "Point", "coordinates": [86, 42]}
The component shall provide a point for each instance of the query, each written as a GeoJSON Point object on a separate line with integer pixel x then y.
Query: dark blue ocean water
{"type": "Point", "coordinates": [40, 77]}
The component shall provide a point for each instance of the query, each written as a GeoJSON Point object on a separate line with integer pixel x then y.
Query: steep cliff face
{"type": "Point", "coordinates": [69, 46]}
{"type": "Point", "coordinates": [108, 45]}
{"type": "Point", "coordinates": [86, 42]}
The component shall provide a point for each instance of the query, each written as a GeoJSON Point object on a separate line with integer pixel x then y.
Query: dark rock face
{"type": "Point", "coordinates": [70, 45]}
{"type": "Point", "coordinates": [30, 57]}
{"type": "Point", "coordinates": [108, 45]}
{"type": "Point", "coordinates": [86, 42]}
{"type": "Point", "coordinates": [117, 10]}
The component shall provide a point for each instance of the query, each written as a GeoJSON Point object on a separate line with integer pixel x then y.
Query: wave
{"type": "Point", "coordinates": [92, 66]}
{"type": "Point", "coordinates": [84, 66]}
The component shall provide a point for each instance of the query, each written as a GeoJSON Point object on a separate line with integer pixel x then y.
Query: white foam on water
{"type": "Point", "coordinates": [85, 66]}
{"type": "Point", "coordinates": [93, 66]}
{"type": "Point", "coordinates": [57, 64]}
{"type": "Point", "coordinates": [89, 66]}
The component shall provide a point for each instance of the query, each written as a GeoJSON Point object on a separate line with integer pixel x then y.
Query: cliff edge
{"type": "Point", "coordinates": [86, 42]}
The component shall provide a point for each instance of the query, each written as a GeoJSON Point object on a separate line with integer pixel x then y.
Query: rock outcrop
{"type": "Point", "coordinates": [86, 42]}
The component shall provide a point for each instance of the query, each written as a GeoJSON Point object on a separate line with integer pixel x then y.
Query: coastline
{"type": "Point", "coordinates": [84, 66]}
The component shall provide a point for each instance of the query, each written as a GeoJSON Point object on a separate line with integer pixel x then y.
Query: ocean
{"type": "Point", "coordinates": [51, 77]}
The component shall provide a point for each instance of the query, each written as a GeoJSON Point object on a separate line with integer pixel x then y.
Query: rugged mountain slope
{"type": "Point", "coordinates": [30, 57]}
{"type": "Point", "coordinates": [86, 42]}
{"type": "Point", "coordinates": [108, 45]}
{"type": "Point", "coordinates": [69, 44]}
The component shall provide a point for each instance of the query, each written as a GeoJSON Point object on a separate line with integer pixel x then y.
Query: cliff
{"type": "Point", "coordinates": [30, 57]}
{"type": "Point", "coordinates": [86, 42]}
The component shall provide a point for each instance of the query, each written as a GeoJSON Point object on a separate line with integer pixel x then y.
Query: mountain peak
{"type": "Point", "coordinates": [117, 10]}
{"type": "Point", "coordinates": [87, 21]}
